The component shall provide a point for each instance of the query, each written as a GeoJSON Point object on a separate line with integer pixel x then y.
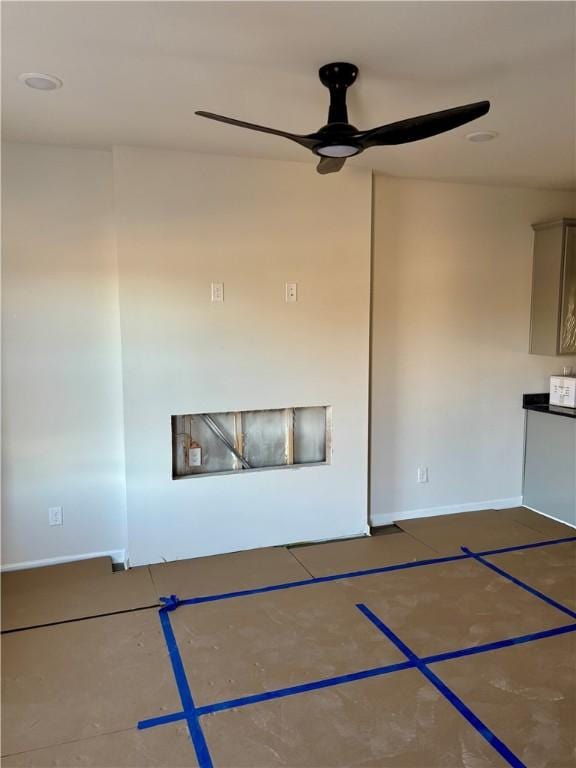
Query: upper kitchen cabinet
{"type": "Point", "coordinates": [553, 316]}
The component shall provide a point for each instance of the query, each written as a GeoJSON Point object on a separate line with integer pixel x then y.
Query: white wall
{"type": "Point", "coordinates": [185, 220]}
{"type": "Point", "coordinates": [451, 307]}
{"type": "Point", "coordinates": [62, 402]}
{"type": "Point", "coordinates": [451, 318]}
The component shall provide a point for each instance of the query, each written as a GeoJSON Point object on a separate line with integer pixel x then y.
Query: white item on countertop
{"type": "Point", "coordinates": [563, 391]}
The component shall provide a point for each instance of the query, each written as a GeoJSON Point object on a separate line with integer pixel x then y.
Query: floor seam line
{"type": "Point", "coordinates": [300, 563]}
{"type": "Point", "coordinates": [80, 618]}
{"type": "Point", "coordinates": [424, 543]}
{"type": "Point", "coordinates": [72, 741]}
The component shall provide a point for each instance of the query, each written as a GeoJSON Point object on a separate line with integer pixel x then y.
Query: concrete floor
{"type": "Point", "coordinates": [395, 651]}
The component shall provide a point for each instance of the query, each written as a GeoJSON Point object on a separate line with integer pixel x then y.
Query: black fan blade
{"type": "Point", "coordinates": [330, 164]}
{"type": "Point", "coordinates": [304, 141]}
{"type": "Point", "coordinates": [422, 127]}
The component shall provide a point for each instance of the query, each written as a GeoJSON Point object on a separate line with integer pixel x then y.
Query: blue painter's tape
{"type": "Point", "coordinates": [354, 574]}
{"type": "Point", "coordinates": [519, 583]}
{"type": "Point", "coordinates": [321, 580]}
{"type": "Point", "coordinates": [246, 592]}
{"type": "Point", "coordinates": [176, 660]}
{"type": "Point", "coordinates": [473, 719]}
{"type": "Point", "coordinates": [363, 674]}
{"type": "Point", "coordinates": [170, 603]}
{"type": "Point", "coordinates": [534, 545]}
{"type": "Point", "coordinates": [192, 714]}
{"type": "Point", "coordinates": [447, 692]}
{"type": "Point", "coordinates": [174, 717]}
{"type": "Point", "coordinates": [196, 734]}
{"type": "Point", "coordinates": [379, 624]}
{"type": "Point", "coordinates": [497, 644]}
{"type": "Point", "coordinates": [317, 685]}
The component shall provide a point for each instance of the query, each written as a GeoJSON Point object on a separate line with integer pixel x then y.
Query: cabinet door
{"type": "Point", "coordinates": [568, 311]}
{"type": "Point", "coordinates": [546, 278]}
{"type": "Point", "coordinates": [550, 465]}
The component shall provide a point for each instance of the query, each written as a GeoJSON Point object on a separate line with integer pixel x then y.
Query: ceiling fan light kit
{"type": "Point", "coordinates": [339, 139]}
{"type": "Point", "coordinates": [338, 150]}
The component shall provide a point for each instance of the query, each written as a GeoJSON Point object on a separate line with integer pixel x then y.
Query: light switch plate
{"type": "Point", "coordinates": [217, 292]}
{"type": "Point", "coordinates": [291, 292]}
{"type": "Point", "coordinates": [55, 516]}
{"type": "Point", "coordinates": [422, 476]}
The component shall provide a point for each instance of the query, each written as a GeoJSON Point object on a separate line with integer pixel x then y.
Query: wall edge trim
{"type": "Point", "coordinates": [452, 509]}
{"type": "Point", "coordinates": [550, 517]}
{"type": "Point", "coordinates": [117, 555]}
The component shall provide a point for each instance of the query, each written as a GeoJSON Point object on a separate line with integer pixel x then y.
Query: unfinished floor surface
{"type": "Point", "coordinates": [356, 554]}
{"type": "Point", "coordinates": [389, 655]}
{"type": "Point", "coordinates": [168, 746]}
{"type": "Point", "coordinates": [272, 640]}
{"type": "Point", "coordinates": [549, 569]}
{"type": "Point", "coordinates": [77, 590]}
{"type": "Point", "coordinates": [225, 573]}
{"type": "Point", "coordinates": [72, 681]}
{"type": "Point", "coordinates": [480, 530]}
{"type": "Point", "coordinates": [531, 688]}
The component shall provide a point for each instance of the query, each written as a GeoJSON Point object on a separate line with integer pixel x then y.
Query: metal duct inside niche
{"type": "Point", "coordinates": [240, 441]}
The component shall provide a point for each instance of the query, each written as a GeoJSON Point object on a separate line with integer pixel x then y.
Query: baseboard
{"type": "Point", "coordinates": [344, 537]}
{"type": "Point", "coordinates": [117, 555]}
{"type": "Point", "coordinates": [472, 506]}
{"type": "Point", "coordinates": [551, 517]}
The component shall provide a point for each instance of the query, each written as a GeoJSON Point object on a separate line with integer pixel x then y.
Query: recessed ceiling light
{"type": "Point", "coordinates": [40, 81]}
{"type": "Point", "coordinates": [481, 135]}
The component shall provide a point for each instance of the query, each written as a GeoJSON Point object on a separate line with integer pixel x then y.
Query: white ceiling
{"type": "Point", "coordinates": [134, 72]}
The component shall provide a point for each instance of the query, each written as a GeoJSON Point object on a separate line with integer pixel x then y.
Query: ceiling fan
{"type": "Point", "coordinates": [338, 139]}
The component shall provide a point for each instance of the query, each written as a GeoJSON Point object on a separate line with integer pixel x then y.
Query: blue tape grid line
{"type": "Point", "coordinates": [497, 644]}
{"type": "Point", "coordinates": [191, 716]}
{"type": "Point", "coordinates": [320, 580]}
{"type": "Point", "coordinates": [362, 675]}
{"type": "Point", "coordinates": [501, 572]}
{"type": "Point", "coordinates": [447, 692]}
{"type": "Point", "coordinates": [280, 693]}
{"type": "Point", "coordinates": [366, 572]}
{"type": "Point", "coordinates": [534, 545]}
{"type": "Point", "coordinates": [191, 713]}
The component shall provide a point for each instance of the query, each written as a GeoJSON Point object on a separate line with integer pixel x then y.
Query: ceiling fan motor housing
{"type": "Point", "coordinates": [338, 75]}
{"type": "Point", "coordinates": [338, 132]}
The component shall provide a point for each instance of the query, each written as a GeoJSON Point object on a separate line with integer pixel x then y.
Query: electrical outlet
{"type": "Point", "coordinates": [422, 476]}
{"type": "Point", "coordinates": [195, 456]}
{"type": "Point", "coordinates": [55, 516]}
{"type": "Point", "coordinates": [217, 292]}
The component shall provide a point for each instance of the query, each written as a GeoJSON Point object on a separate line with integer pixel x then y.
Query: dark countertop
{"type": "Point", "coordinates": [541, 403]}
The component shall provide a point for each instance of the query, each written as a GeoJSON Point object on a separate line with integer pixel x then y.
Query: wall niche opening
{"type": "Point", "coordinates": [242, 441]}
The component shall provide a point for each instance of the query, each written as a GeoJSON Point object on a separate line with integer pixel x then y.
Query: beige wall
{"type": "Point", "coordinates": [451, 317]}
{"type": "Point", "coordinates": [62, 401]}
{"type": "Point", "coordinates": [451, 294]}
{"type": "Point", "coordinates": [185, 220]}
